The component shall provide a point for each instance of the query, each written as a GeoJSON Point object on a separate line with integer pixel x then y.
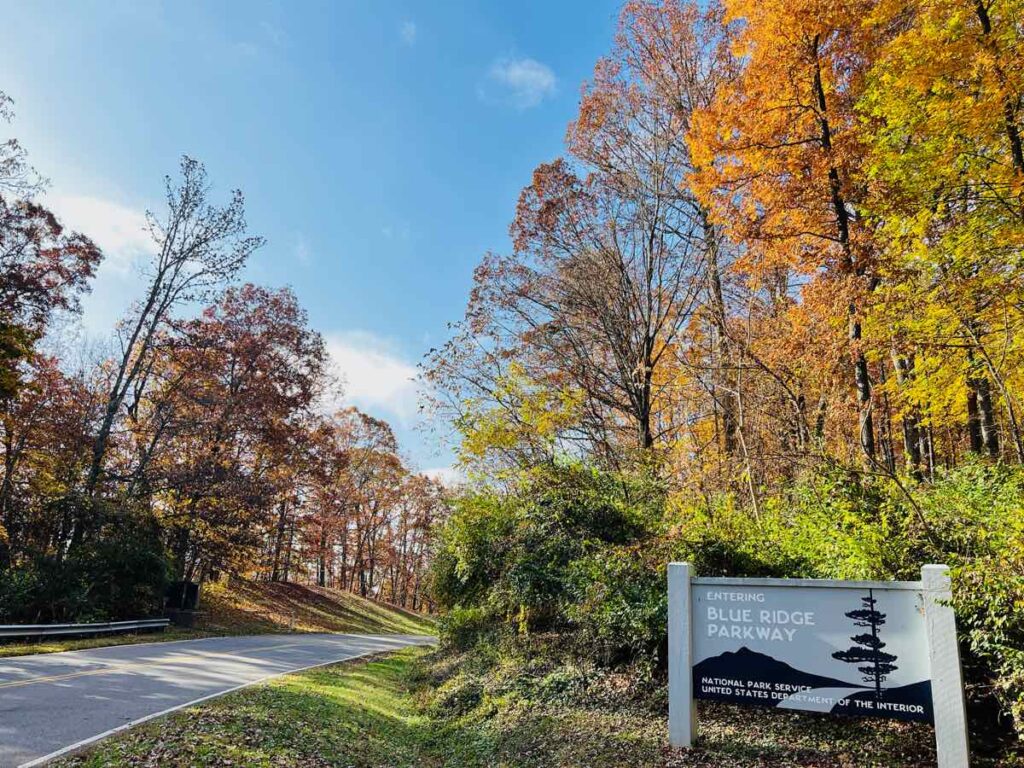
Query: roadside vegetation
{"type": "Point", "coordinates": [541, 707]}
{"type": "Point", "coordinates": [420, 708]}
{"type": "Point", "coordinates": [763, 315]}
{"type": "Point", "coordinates": [559, 585]}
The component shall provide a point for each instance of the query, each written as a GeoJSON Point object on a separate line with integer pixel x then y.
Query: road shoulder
{"type": "Point", "coordinates": [356, 713]}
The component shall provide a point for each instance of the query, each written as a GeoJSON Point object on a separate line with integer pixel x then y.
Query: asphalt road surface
{"type": "Point", "coordinates": [53, 703]}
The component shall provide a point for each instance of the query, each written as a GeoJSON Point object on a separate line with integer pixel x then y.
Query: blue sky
{"type": "Point", "coordinates": [381, 147]}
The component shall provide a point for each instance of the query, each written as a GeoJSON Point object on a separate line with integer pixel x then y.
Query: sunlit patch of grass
{"type": "Point", "coordinates": [247, 607]}
{"type": "Point", "coordinates": [355, 714]}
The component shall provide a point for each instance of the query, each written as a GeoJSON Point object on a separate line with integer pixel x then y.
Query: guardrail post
{"type": "Point", "coordinates": [947, 678]}
{"type": "Point", "coordinates": [682, 714]}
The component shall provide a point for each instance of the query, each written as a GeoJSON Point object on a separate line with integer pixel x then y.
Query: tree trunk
{"type": "Point", "coordinates": [131, 363]}
{"type": "Point", "coordinates": [986, 411]}
{"type": "Point", "coordinates": [321, 570]}
{"type": "Point", "coordinates": [862, 378]}
{"type": "Point", "coordinates": [911, 421]}
{"type": "Point", "coordinates": [282, 518]}
{"type": "Point", "coordinates": [724, 390]}
{"type": "Point", "coordinates": [974, 417]}
{"type": "Point", "coordinates": [288, 551]}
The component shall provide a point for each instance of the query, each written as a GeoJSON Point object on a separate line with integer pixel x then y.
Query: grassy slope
{"type": "Point", "coordinates": [355, 715]}
{"type": "Point", "coordinates": [414, 709]}
{"type": "Point", "coordinates": [245, 608]}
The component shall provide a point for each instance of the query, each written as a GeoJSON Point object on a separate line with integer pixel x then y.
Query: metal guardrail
{"type": "Point", "coordinates": [48, 630]}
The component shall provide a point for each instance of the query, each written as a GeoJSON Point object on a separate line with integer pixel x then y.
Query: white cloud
{"type": "Point", "coordinates": [524, 83]}
{"type": "Point", "coordinates": [274, 33]}
{"type": "Point", "coordinates": [118, 230]}
{"type": "Point", "coordinates": [376, 377]}
{"type": "Point", "coordinates": [408, 32]}
{"type": "Point", "coordinates": [446, 476]}
{"type": "Point", "coordinates": [301, 251]}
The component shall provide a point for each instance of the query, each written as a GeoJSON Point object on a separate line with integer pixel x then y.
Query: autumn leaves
{"type": "Point", "coordinates": [202, 443]}
{"type": "Point", "coordinates": [785, 233]}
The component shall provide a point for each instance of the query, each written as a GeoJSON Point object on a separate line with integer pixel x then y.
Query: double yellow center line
{"type": "Point", "coordinates": [130, 666]}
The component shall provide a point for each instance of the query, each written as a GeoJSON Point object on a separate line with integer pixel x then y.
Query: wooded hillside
{"type": "Point", "coordinates": [764, 315]}
{"type": "Point", "coordinates": [200, 441]}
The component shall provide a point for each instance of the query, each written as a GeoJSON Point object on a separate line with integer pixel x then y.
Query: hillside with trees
{"type": "Point", "coordinates": [764, 316]}
{"type": "Point", "coordinates": [201, 443]}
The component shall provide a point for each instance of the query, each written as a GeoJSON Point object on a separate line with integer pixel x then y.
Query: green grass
{"type": "Point", "coordinates": [247, 607]}
{"type": "Point", "coordinates": [253, 608]}
{"type": "Point", "coordinates": [357, 714]}
{"type": "Point", "coordinates": [432, 710]}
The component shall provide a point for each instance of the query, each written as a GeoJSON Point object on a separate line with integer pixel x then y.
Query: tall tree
{"type": "Point", "coordinates": [778, 153]}
{"type": "Point", "coordinates": [944, 105]}
{"type": "Point", "coordinates": [606, 271]}
{"type": "Point", "coordinates": [44, 440]}
{"type": "Point", "coordinates": [200, 247]}
{"type": "Point", "coordinates": [238, 434]}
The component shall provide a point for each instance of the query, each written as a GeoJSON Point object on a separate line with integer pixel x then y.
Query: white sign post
{"type": "Point", "coordinates": [867, 648]}
{"type": "Point", "coordinates": [947, 678]}
{"type": "Point", "coordinates": [682, 713]}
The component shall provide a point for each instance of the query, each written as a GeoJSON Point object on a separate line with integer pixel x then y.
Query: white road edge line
{"type": "Point", "coordinates": [100, 736]}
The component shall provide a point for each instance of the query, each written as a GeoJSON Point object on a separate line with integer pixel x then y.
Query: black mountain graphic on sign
{"type": "Point", "coordinates": [746, 664]}
{"type": "Point", "coordinates": [907, 702]}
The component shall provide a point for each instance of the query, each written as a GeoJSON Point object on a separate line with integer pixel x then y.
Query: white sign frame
{"type": "Point", "coordinates": [940, 628]}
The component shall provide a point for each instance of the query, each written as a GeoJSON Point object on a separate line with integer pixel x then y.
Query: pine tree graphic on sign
{"type": "Point", "coordinates": [868, 651]}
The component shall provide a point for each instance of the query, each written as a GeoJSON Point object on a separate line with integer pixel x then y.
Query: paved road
{"type": "Point", "coordinates": [51, 702]}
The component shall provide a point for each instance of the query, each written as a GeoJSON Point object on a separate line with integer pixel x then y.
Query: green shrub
{"type": "Point", "coordinates": [462, 628]}
{"type": "Point", "coordinates": [583, 554]}
{"type": "Point", "coordinates": [514, 554]}
{"type": "Point", "coordinates": [120, 573]}
{"type": "Point", "coordinates": [618, 603]}
{"type": "Point", "coordinates": [977, 513]}
{"type": "Point", "coordinates": [456, 697]}
{"type": "Point", "coordinates": [125, 570]}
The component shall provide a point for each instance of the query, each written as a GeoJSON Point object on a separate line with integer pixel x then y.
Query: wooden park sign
{"type": "Point", "coordinates": [866, 648]}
